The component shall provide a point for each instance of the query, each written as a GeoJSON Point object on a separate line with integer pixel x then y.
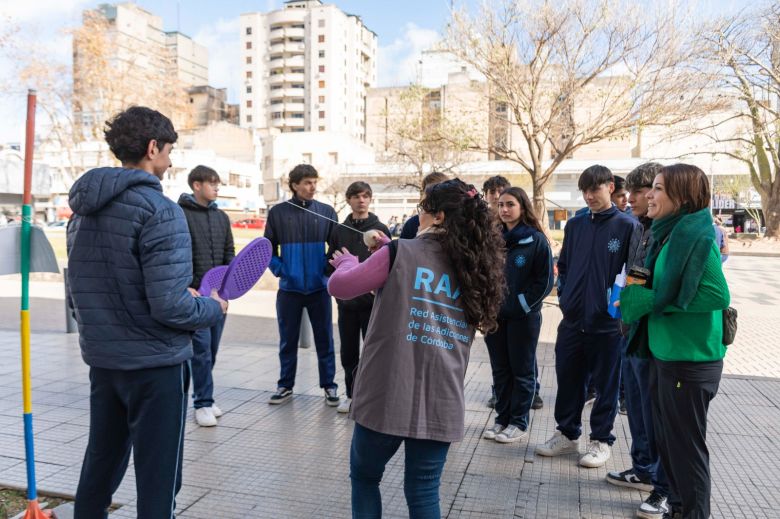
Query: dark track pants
{"type": "Point", "coordinates": [144, 409]}
{"type": "Point", "coordinates": [289, 309]}
{"type": "Point", "coordinates": [353, 324]}
{"type": "Point", "coordinates": [681, 394]}
{"type": "Point", "coordinates": [577, 354]}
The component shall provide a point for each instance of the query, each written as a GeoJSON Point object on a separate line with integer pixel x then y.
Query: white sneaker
{"type": "Point", "coordinates": [490, 434]}
{"type": "Point", "coordinates": [216, 410]}
{"type": "Point", "coordinates": [596, 455]}
{"type": "Point", "coordinates": [204, 417]}
{"type": "Point", "coordinates": [344, 405]}
{"type": "Point", "coordinates": [558, 444]}
{"type": "Point", "coordinates": [511, 434]}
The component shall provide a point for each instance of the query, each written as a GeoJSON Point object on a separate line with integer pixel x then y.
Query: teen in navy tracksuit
{"type": "Point", "coordinates": [595, 248]}
{"type": "Point", "coordinates": [512, 348]}
{"type": "Point", "coordinates": [298, 239]}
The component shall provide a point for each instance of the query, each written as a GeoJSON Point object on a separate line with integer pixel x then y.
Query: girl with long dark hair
{"type": "Point", "coordinates": [512, 347]}
{"type": "Point", "coordinates": [433, 292]}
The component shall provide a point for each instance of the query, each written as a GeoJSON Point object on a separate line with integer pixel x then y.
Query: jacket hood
{"type": "Point", "coordinates": [97, 187]}
{"type": "Point", "coordinates": [520, 232]}
{"type": "Point", "coordinates": [188, 200]}
{"type": "Point", "coordinates": [366, 223]}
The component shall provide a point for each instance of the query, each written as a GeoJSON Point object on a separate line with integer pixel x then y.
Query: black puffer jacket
{"type": "Point", "coordinates": [353, 241]}
{"type": "Point", "coordinates": [212, 238]}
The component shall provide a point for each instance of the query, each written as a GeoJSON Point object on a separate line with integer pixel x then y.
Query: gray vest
{"type": "Point", "coordinates": [410, 378]}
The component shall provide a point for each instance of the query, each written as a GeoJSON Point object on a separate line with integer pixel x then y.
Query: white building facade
{"type": "Point", "coordinates": [307, 67]}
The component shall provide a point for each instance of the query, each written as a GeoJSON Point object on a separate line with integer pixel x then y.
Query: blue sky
{"type": "Point", "coordinates": [404, 28]}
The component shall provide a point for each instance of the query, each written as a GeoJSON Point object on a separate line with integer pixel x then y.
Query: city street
{"type": "Point", "coordinates": [291, 461]}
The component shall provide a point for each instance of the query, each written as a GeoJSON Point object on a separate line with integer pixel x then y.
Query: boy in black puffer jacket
{"type": "Point", "coordinates": [354, 313]}
{"type": "Point", "coordinates": [212, 246]}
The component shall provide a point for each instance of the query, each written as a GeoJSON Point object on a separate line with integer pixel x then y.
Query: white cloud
{"type": "Point", "coordinates": [398, 62]}
{"type": "Point", "coordinates": [222, 39]}
{"type": "Point", "coordinates": [26, 11]}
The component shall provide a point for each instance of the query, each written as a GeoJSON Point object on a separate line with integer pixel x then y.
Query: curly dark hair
{"type": "Point", "coordinates": [128, 133]}
{"type": "Point", "coordinates": [473, 242]}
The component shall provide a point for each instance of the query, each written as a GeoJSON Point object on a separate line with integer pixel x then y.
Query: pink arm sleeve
{"type": "Point", "coordinates": [352, 279]}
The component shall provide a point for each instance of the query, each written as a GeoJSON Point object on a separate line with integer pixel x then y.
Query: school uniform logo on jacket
{"type": "Point", "coordinates": [613, 245]}
{"type": "Point", "coordinates": [520, 261]}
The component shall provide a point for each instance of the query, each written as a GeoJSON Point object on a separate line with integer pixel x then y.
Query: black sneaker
{"type": "Point", "coordinates": [492, 402]}
{"type": "Point", "coordinates": [654, 507]}
{"type": "Point", "coordinates": [628, 478]}
{"type": "Point", "coordinates": [281, 396]}
{"type": "Point", "coordinates": [332, 397]}
{"type": "Point", "coordinates": [622, 406]}
{"type": "Point", "coordinates": [538, 403]}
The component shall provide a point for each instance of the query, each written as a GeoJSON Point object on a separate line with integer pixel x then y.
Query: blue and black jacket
{"type": "Point", "coordinates": [595, 248]}
{"type": "Point", "coordinates": [298, 239]}
{"type": "Point", "coordinates": [529, 272]}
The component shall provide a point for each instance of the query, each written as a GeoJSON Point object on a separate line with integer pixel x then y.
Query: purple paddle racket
{"type": "Point", "coordinates": [246, 269]}
{"type": "Point", "coordinates": [212, 279]}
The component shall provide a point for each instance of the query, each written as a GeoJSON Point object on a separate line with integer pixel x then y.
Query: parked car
{"type": "Point", "coordinates": [249, 223]}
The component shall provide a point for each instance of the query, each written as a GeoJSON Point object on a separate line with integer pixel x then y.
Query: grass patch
{"type": "Point", "coordinates": [13, 502]}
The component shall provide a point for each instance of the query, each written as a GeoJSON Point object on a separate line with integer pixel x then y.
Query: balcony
{"type": "Point", "coordinates": [276, 48]}
{"type": "Point", "coordinates": [294, 48]}
{"type": "Point", "coordinates": [286, 16]}
{"type": "Point", "coordinates": [294, 32]}
{"type": "Point", "coordinates": [293, 107]}
{"type": "Point", "coordinates": [293, 122]}
{"type": "Point", "coordinates": [291, 77]}
{"type": "Point", "coordinates": [295, 61]}
{"type": "Point", "coordinates": [277, 79]}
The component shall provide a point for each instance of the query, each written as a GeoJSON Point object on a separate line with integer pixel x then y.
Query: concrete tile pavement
{"type": "Point", "coordinates": [292, 461]}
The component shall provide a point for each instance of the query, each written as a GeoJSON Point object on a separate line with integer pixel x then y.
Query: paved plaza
{"type": "Point", "coordinates": [291, 461]}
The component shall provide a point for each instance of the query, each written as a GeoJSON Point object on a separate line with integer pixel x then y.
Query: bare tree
{"type": "Point", "coordinates": [423, 136]}
{"type": "Point", "coordinates": [746, 48]}
{"type": "Point", "coordinates": [563, 75]}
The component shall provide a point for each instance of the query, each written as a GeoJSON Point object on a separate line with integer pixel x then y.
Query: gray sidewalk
{"type": "Point", "coordinates": [292, 461]}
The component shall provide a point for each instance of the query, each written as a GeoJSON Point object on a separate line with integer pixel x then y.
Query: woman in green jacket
{"type": "Point", "coordinates": [681, 310]}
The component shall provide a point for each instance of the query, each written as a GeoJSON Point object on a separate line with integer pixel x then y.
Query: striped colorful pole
{"type": "Point", "coordinates": [33, 509]}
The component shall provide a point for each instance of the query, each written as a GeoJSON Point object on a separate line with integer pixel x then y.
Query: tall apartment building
{"type": "Point", "coordinates": [307, 67]}
{"type": "Point", "coordinates": [122, 56]}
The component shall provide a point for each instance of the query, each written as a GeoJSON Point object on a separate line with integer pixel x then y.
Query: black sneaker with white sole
{"type": "Point", "coordinates": [537, 402]}
{"type": "Point", "coordinates": [654, 507]}
{"type": "Point", "coordinates": [628, 478]}
{"type": "Point", "coordinates": [332, 397]}
{"type": "Point", "coordinates": [281, 396]}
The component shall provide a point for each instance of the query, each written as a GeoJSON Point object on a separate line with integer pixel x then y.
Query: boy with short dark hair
{"type": "Point", "coordinates": [212, 246]}
{"type": "Point", "coordinates": [596, 247]}
{"type": "Point", "coordinates": [412, 225]}
{"type": "Point", "coordinates": [620, 195]}
{"type": "Point", "coordinates": [491, 190]}
{"type": "Point", "coordinates": [129, 264]}
{"type": "Point", "coordinates": [354, 313]}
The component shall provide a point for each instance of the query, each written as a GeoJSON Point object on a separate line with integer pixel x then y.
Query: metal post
{"type": "Point", "coordinates": [71, 326]}
{"type": "Point", "coordinates": [306, 337]}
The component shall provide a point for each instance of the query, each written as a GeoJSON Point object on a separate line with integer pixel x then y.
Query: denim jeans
{"type": "Point", "coordinates": [639, 410]}
{"type": "Point", "coordinates": [512, 350]}
{"type": "Point", "coordinates": [423, 464]}
{"type": "Point", "coordinates": [205, 343]}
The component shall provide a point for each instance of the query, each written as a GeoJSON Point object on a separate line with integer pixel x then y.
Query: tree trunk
{"type": "Point", "coordinates": [771, 208]}
{"type": "Point", "coordinates": [540, 205]}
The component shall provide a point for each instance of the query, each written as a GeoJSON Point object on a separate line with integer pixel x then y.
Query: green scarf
{"type": "Point", "coordinates": [689, 237]}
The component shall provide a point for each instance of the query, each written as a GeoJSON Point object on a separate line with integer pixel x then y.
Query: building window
{"type": "Point", "coordinates": [249, 118]}
{"type": "Point", "coordinates": [276, 115]}
{"type": "Point", "coordinates": [321, 99]}
{"type": "Point", "coordinates": [321, 53]}
{"type": "Point", "coordinates": [321, 128]}
{"type": "Point", "coordinates": [321, 83]}
{"type": "Point", "coordinates": [249, 89]}
{"type": "Point", "coordinates": [249, 60]}
{"type": "Point", "coordinates": [249, 103]}
{"type": "Point", "coordinates": [321, 38]}
{"type": "Point", "coordinates": [322, 68]}
{"type": "Point", "coordinates": [321, 23]}
{"type": "Point", "coordinates": [249, 74]}
{"type": "Point", "coordinates": [249, 45]}
{"type": "Point", "coordinates": [322, 114]}
{"type": "Point", "coordinates": [248, 31]}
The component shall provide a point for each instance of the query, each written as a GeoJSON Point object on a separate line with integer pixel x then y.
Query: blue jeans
{"type": "Point", "coordinates": [205, 343]}
{"type": "Point", "coordinates": [578, 354]}
{"type": "Point", "coordinates": [289, 309]}
{"type": "Point", "coordinates": [423, 464]}
{"type": "Point", "coordinates": [639, 409]}
{"type": "Point", "coordinates": [512, 350]}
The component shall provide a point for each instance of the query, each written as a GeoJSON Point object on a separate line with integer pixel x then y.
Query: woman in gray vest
{"type": "Point", "coordinates": [433, 291]}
